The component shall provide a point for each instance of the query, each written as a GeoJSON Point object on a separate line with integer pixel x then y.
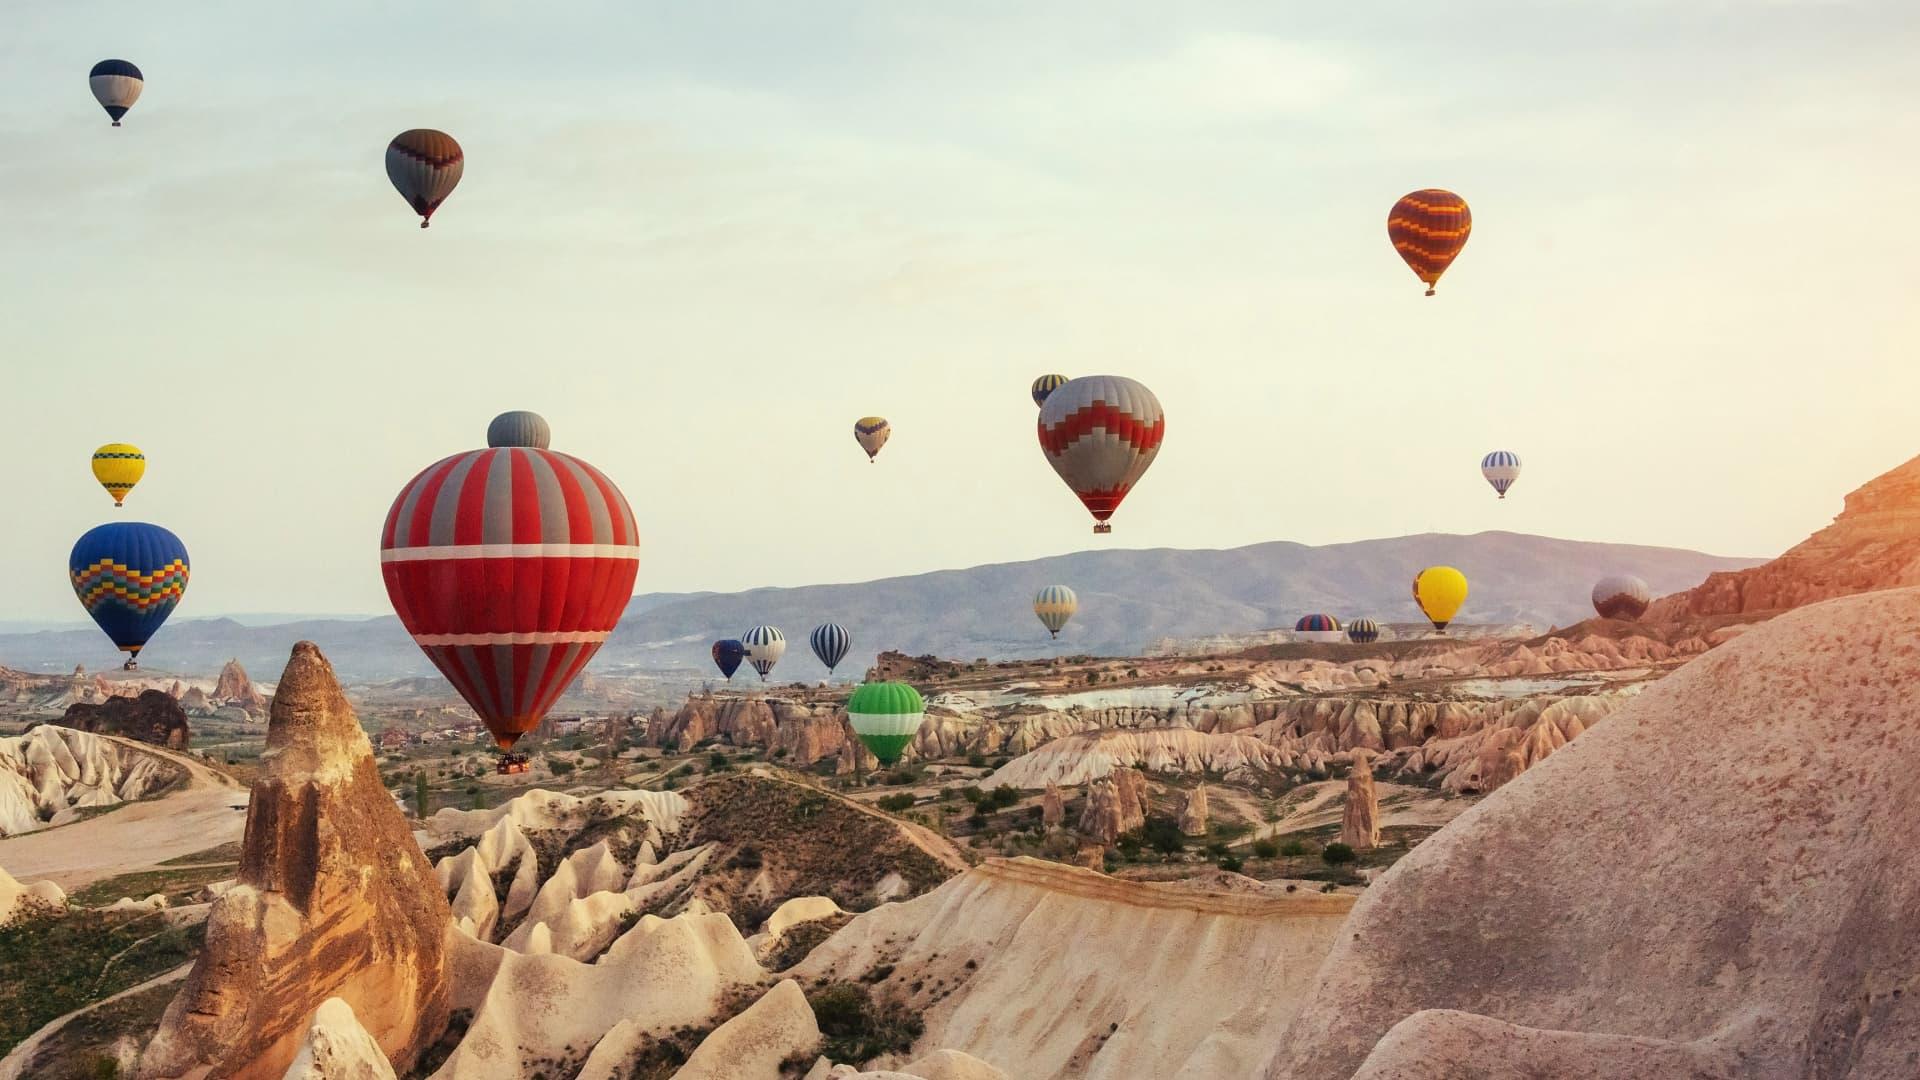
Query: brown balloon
{"type": "Point", "coordinates": [1428, 229]}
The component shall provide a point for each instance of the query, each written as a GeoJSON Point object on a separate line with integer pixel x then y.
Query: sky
{"type": "Point", "coordinates": [703, 239]}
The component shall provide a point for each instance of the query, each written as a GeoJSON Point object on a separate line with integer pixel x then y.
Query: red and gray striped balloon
{"type": "Point", "coordinates": [1100, 432]}
{"type": "Point", "coordinates": [425, 166]}
{"type": "Point", "coordinates": [510, 566]}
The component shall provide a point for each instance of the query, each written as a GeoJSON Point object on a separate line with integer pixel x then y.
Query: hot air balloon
{"type": "Point", "coordinates": [1100, 432]}
{"type": "Point", "coordinates": [510, 566]}
{"type": "Point", "coordinates": [116, 86]}
{"type": "Point", "coordinates": [1428, 229]}
{"type": "Point", "coordinates": [118, 466]}
{"type": "Point", "coordinates": [1621, 596]}
{"type": "Point", "coordinates": [1055, 604]}
{"type": "Point", "coordinates": [1363, 631]}
{"type": "Point", "coordinates": [1046, 385]}
{"type": "Point", "coordinates": [765, 646]}
{"type": "Point", "coordinates": [727, 654]}
{"type": "Point", "coordinates": [424, 166]}
{"type": "Point", "coordinates": [1501, 468]}
{"type": "Point", "coordinates": [129, 576]}
{"type": "Point", "coordinates": [830, 642]}
{"type": "Point", "coordinates": [885, 716]}
{"type": "Point", "coordinates": [871, 433]}
{"type": "Point", "coordinates": [1440, 590]}
{"type": "Point", "coordinates": [1318, 627]}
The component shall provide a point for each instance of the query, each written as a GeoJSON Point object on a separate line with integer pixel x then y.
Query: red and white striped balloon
{"type": "Point", "coordinates": [510, 566]}
{"type": "Point", "coordinates": [1100, 432]}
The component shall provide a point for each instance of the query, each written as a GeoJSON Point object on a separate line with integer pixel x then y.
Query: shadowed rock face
{"type": "Point", "coordinates": [334, 900]}
{"type": "Point", "coordinates": [153, 717]}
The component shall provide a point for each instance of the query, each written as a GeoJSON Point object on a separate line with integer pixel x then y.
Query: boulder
{"type": "Point", "coordinates": [153, 717]}
{"type": "Point", "coordinates": [334, 900]}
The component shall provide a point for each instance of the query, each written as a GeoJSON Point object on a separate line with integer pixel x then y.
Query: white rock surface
{"type": "Point", "coordinates": [338, 1048]}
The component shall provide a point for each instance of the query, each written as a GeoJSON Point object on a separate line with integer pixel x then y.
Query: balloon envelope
{"type": "Point", "coordinates": [1318, 627]}
{"type": "Point", "coordinates": [425, 166]}
{"type": "Point", "coordinates": [1101, 433]}
{"type": "Point", "coordinates": [510, 566]}
{"type": "Point", "coordinates": [1501, 468]}
{"type": "Point", "coordinates": [765, 646]}
{"type": "Point", "coordinates": [1055, 604]}
{"type": "Point", "coordinates": [871, 433]}
{"type": "Point", "coordinates": [727, 654]}
{"type": "Point", "coordinates": [116, 85]}
{"type": "Point", "coordinates": [1428, 228]}
{"type": "Point", "coordinates": [885, 716]}
{"type": "Point", "coordinates": [830, 643]}
{"type": "Point", "coordinates": [1045, 385]}
{"type": "Point", "coordinates": [1440, 590]}
{"type": "Point", "coordinates": [1621, 596]}
{"type": "Point", "coordinates": [129, 575]}
{"type": "Point", "coordinates": [1363, 631]}
{"type": "Point", "coordinates": [118, 466]}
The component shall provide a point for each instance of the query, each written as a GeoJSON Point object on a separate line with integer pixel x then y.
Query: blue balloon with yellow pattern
{"type": "Point", "coordinates": [129, 575]}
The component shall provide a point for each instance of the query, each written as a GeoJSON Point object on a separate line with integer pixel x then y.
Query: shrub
{"type": "Point", "coordinates": [560, 768]}
{"type": "Point", "coordinates": [1265, 849]}
{"type": "Point", "coordinates": [1293, 849]}
{"type": "Point", "coordinates": [977, 759]}
{"type": "Point", "coordinates": [1163, 835]}
{"type": "Point", "coordinates": [1003, 796]}
{"type": "Point", "coordinates": [1230, 863]}
{"type": "Point", "coordinates": [717, 762]}
{"type": "Point", "coordinates": [747, 858]}
{"type": "Point", "coordinates": [1337, 854]}
{"type": "Point", "coordinates": [854, 1028]}
{"type": "Point", "coordinates": [893, 804]}
{"type": "Point", "coordinates": [972, 794]}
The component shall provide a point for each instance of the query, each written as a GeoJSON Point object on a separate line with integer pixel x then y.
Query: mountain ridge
{"type": "Point", "coordinates": [1129, 598]}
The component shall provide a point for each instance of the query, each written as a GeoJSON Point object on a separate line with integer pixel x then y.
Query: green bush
{"type": "Point", "coordinates": [1337, 854]}
{"type": "Point", "coordinates": [893, 804]}
{"type": "Point", "coordinates": [1003, 796]}
{"type": "Point", "coordinates": [560, 768]}
{"type": "Point", "coordinates": [1293, 849]}
{"type": "Point", "coordinates": [1231, 864]}
{"type": "Point", "coordinates": [717, 762]}
{"type": "Point", "coordinates": [972, 794]}
{"type": "Point", "coordinates": [977, 759]}
{"type": "Point", "coordinates": [1265, 849]}
{"type": "Point", "coordinates": [1163, 835]}
{"type": "Point", "coordinates": [855, 1029]}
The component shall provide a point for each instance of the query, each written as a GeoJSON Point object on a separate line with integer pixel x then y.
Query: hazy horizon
{"type": "Point", "coordinates": [702, 243]}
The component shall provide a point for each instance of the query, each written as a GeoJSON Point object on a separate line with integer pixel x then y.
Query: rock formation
{"type": "Point", "coordinates": [1053, 808]}
{"type": "Point", "coordinates": [1729, 888]}
{"type": "Point", "coordinates": [334, 900]}
{"type": "Point", "coordinates": [1874, 543]}
{"type": "Point", "coordinates": [1360, 820]}
{"type": "Point", "coordinates": [196, 703]}
{"type": "Point", "coordinates": [51, 774]}
{"type": "Point", "coordinates": [234, 688]}
{"type": "Point", "coordinates": [336, 1047]}
{"type": "Point", "coordinates": [1116, 804]}
{"type": "Point", "coordinates": [16, 898]}
{"type": "Point", "coordinates": [985, 958]}
{"type": "Point", "coordinates": [753, 1044]}
{"type": "Point", "coordinates": [1193, 816]}
{"type": "Point", "coordinates": [153, 717]}
{"type": "Point", "coordinates": [1077, 759]}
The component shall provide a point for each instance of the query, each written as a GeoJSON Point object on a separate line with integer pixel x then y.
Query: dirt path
{"type": "Point", "coordinates": [208, 812]}
{"type": "Point", "coordinates": [12, 1065]}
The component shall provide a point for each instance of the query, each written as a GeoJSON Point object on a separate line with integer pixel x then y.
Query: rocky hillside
{"type": "Point", "coordinates": [153, 717]}
{"type": "Point", "coordinates": [1728, 890]}
{"type": "Point", "coordinates": [52, 775]}
{"type": "Point", "coordinates": [1873, 544]}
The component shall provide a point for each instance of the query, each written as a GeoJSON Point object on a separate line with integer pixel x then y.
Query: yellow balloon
{"type": "Point", "coordinates": [871, 433]}
{"type": "Point", "coordinates": [118, 466]}
{"type": "Point", "coordinates": [1440, 590]}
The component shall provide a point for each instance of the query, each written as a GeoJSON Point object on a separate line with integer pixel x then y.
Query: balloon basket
{"type": "Point", "coordinates": [511, 764]}
{"type": "Point", "coordinates": [1101, 528]}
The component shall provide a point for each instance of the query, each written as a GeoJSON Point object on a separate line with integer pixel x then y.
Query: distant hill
{"type": "Point", "coordinates": [1128, 600]}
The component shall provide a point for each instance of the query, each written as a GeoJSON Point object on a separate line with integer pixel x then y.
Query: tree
{"type": "Point", "coordinates": [1265, 849]}
{"type": "Point", "coordinates": [1337, 854]}
{"type": "Point", "coordinates": [420, 794]}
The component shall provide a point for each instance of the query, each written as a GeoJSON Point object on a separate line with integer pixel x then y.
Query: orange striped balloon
{"type": "Point", "coordinates": [1428, 228]}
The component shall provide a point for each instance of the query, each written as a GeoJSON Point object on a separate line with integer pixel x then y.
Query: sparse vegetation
{"type": "Point", "coordinates": [1337, 854]}
{"type": "Point", "coordinates": [1265, 849]}
{"type": "Point", "coordinates": [893, 804]}
{"type": "Point", "coordinates": [855, 1028]}
{"type": "Point", "coordinates": [58, 963]}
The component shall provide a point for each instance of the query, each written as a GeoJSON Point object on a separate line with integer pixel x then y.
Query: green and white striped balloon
{"type": "Point", "coordinates": [885, 715]}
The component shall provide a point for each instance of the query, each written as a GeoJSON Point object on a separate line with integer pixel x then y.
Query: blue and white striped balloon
{"type": "Point", "coordinates": [830, 642]}
{"type": "Point", "coordinates": [1055, 604]}
{"type": "Point", "coordinates": [1501, 468]}
{"type": "Point", "coordinates": [765, 646]}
